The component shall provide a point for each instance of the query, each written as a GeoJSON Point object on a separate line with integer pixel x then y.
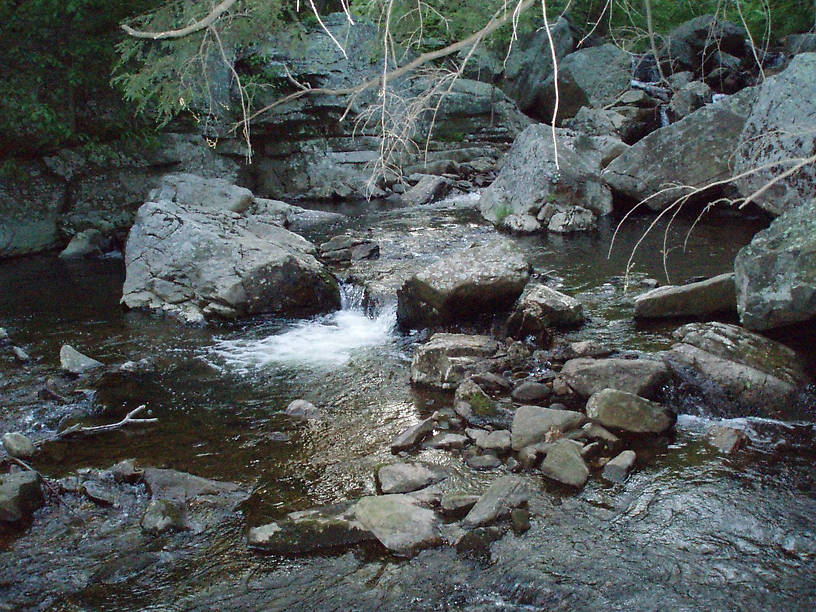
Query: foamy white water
{"type": "Point", "coordinates": [329, 340]}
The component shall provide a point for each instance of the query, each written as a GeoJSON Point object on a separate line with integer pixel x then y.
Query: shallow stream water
{"type": "Point", "coordinates": [691, 529]}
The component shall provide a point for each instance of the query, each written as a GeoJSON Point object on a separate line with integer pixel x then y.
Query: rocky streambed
{"type": "Point", "coordinates": [237, 498]}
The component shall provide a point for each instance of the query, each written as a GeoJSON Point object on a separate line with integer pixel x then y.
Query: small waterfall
{"type": "Point", "coordinates": [325, 341]}
{"type": "Point", "coordinates": [664, 115]}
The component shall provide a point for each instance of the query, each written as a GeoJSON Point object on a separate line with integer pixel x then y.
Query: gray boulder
{"type": "Point", "coordinates": [533, 424]}
{"type": "Point", "coordinates": [85, 244]}
{"type": "Point", "coordinates": [20, 495]}
{"type": "Point", "coordinates": [629, 412]}
{"type": "Point", "coordinates": [447, 359]}
{"type": "Point", "coordinates": [530, 392]}
{"type": "Point", "coordinates": [195, 263]}
{"type": "Point", "coordinates": [618, 468]}
{"type": "Point", "coordinates": [698, 299]}
{"type": "Point", "coordinates": [413, 435]}
{"type": "Point", "coordinates": [728, 364]}
{"type": "Point", "coordinates": [71, 360]}
{"type": "Point", "coordinates": [193, 190]}
{"type": "Point", "coordinates": [540, 307]}
{"type": "Point", "coordinates": [776, 274]}
{"type": "Point", "coordinates": [478, 280]}
{"type": "Point", "coordinates": [498, 501]}
{"type": "Point", "coordinates": [694, 42]}
{"type": "Point", "coordinates": [689, 98]}
{"type": "Point", "coordinates": [498, 441]}
{"type": "Point", "coordinates": [407, 477]}
{"type": "Point", "coordinates": [640, 376]}
{"type": "Point", "coordinates": [564, 464]}
{"type": "Point", "coordinates": [727, 439]}
{"type": "Point", "coordinates": [429, 189]}
{"type": "Point", "coordinates": [19, 446]}
{"type": "Point", "coordinates": [532, 188]}
{"type": "Point", "coordinates": [304, 410]}
{"type": "Point", "coordinates": [781, 127]}
{"type": "Point", "coordinates": [398, 523]}
{"type": "Point", "coordinates": [800, 43]}
{"type": "Point", "coordinates": [691, 153]}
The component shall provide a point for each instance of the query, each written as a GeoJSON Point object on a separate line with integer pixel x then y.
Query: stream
{"type": "Point", "coordinates": [690, 529]}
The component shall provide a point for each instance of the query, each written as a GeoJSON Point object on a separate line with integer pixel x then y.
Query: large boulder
{"type": "Point", "coordinates": [447, 359]}
{"type": "Point", "coordinates": [594, 76]}
{"type": "Point", "coordinates": [692, 153]}
{"type": "Point", "coordinates": [697, 299]}
{"type": "Point", "coordinates": [781, 127]}
{"type": "Point", "coordinates": [692, 44]}
{"type": "Point", "coordinates": [776, 273]}
{"type": "Point", "coordinates": [531, 187]}
{"type": "Point", "coordinates": [626, 411]}
{"type": "Point", "coordinates": [196, 263]}
{"type": "Point", "coordinates": [532, 424]}
{"type": "Point", "coordinates": [20, 495]}
{"type": "Point", "coordinates": [398, 523]}
{"type": "Point", "coordinates": [540, 307]}
{"type": "Point", "coordinates": [738, 369]}
{"type": "Point", "coordinates": [193, 190]}
{"type": "Point", "coordinates": [478, 280]}
{"type": "Point", "coordinates": [643, 377]}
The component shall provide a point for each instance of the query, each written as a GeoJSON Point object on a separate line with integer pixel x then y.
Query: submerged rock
{"type": "Point", "coordinates": [75, 362]}
{"type": "Point", "coordinates": [727, 439]}
{"type": "Point", "coordinates": [565, 464]}
{"type": "Point", "coordinates": [776, 273]}
{"type": "Point", "coordinates": [398, 523]}
{"type": "Point", "coordinates": [86, 243]}
{"type": "Point", "coordinates": [407, 477]}
{"type": "Point", "coordinates": [20, 495]}
{"type": "Point", "coordinates": [301, 409]}
{"type": "Point", "coordinates": [540, 307]}
{"type": "Point", "coordinates": [727, 363]}
{"type": "Point", "coordinates": [505, 494]}
{"type": "Point", "coordinates": [710, 296]}
{"type": "Point", "coordinates": [478, 280]}
{"type": "Point", "coordinates": [196, 263]}
{"type": "Point", "coordinates": [162, 516]}
{"type": "Point", "coordinates": [617, 469]}
{"type": "Point", "coordinates": [447, 359]}
{"type": "Point", "coordinates": [640, 376]}
{"type": "Point", "coordinates": [172, 485]}
{"type": "Point", "coordinates": [533, 424]}
{"type": "Point", "coordinates": [19, 446]}
{"type": "Point", "coordinates": [629, 412]}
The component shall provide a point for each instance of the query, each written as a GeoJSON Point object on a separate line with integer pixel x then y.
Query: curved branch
{"type": "Point", "coordinates": [204, 23]}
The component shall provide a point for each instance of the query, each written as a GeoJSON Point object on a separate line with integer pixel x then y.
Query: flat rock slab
{"type": "Point", "coordinates": [195, 190]}
{"type": "Point", "coordinates": [413, 435]}
{"type": "Point", "coordinates": [447, 359]}
{"type": "Point", "coordinates": [629, 412]}
{"type": "Point", "coordinates": [71, 360]}
{"type": "Point", "coordinates": [713, 295]}
{"type": "Point", "coordinates": [640, 376]}
{"type": "Point", "coordinates": [172, 485]}
{"type": "Point", "coordinates": [478, 280]}
{"type": "Point", "coordinates": [531, 424]}
{"type": "Point", "coordinates": [398, 523]}
{"type": "Point", "coordinates": [565, 464]}
{"type": "Point", "coordinates": [407, 477]}
{"type": "Point", "coordinates": [504, 494]}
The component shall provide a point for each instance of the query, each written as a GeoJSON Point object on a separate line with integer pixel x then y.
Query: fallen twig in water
{"type": "Point", "coordinates": [128, 420]}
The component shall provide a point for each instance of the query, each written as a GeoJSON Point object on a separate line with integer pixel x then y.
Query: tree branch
{"type": "Point", "coordinates": [204, 23]}
{"type": "Point", "coordinates": [128, 420]}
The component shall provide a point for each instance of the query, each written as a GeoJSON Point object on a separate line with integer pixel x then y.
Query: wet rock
{"type": "Point", "coordinates": [19, 446]}
{"type": "Point", "coordinates": [617, 469]}
{"type": "Point", "coordinates": [589, 348]}
{"type": "Point", "coordinates": [576, 219]}
{"type": "Point", "coordinates": [531, 393]}
{"type": "Point", "coordinates": [475, 544]}
{"type": "Point", "coordinates": [688, 98]}
{"type": "Point", "coordinates": [398, 523]}
{"type": "Point", "coordinates": [97, 493]}
{"type": "Point", "coordinates": [344, 248]}
{"type": "Point", "coordinates": [498, 441]}
{"type": "Point", "coordinates": [75, 362]}
{"type": "Point", "coordinates": [162, 516]}
{"type": "Point", "coordinates": [194, 190]}
{"type": "Point", "coordinates": [428, 189]}
{"type": "Point", "coordinates": [301, 409]}
{"type": "Point", "coordinates": [533, 424]}
{"type": "Point", "coordinates": [413, 435]}
{"type": "Point", "coordinates": [530, 456]}
{"type": "Point", "coordinates": [492, 383]}
{"type": "Point", "coordinates": [447, 441]}
{"type": "Point", "coordinates": [565, 464]}
{"type": "Point", "coordinates": [520, 520]}
{"type": "Point", "coordinates": [458, 505]}
{"type": "Point", "coordinates": [473, 404]}
{"type": "Point", "coordinates": [483, 462]}
{"type": "Point", "coordinates": [126, 472]}
{"type": "Point", "coordinates": [540, 307]}
{"type": "Point", "coordinates": [478, 280]}
{"type": "Point", "coordinates": [727, 363]}
{"type": "Point", "coordinates": [691, 42]}
{"type": "Point", "coordinates": [172, 485]}
{"type": "Point", "coordinates": [695, 151]}
{"type": "Point", "coordinates": [713, 295]}
{"type": "Point", "coordinates": [593, 431]}
{"type": "Point", "coordinates": [183, 260]}
{"type": "Point", "coordinates": [446, 359]}
{"type": "Point", "coordinates": [505, 494]}
{"type": "Point", "coordinates": [781, 127]}
{"type": "Point", "coordinates": [20, 495]}
{"type": "Point", "coordinates": [629, 412]}
{"type": "Point", "coordinates": [727, 439]}
{"type": "Point", "coordinates": [639, 376]}
{"type": "Point", "coordinates": [310, 531]}
{"type": "Point", "coordinates": [407, 477]}
{"type": "Point", "coordinates": [530, 185]}
{"type": "Point", "coordinates": [85, 244]}
{"type": "Point", "coordinates": [776, 273]}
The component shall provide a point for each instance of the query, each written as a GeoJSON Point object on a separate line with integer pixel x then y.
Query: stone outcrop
{"type": "Point", "coordinates": [698, 299]}
{"type": "Point", "coordinates": [643, 377]}
{"type": "Point", "coordinates": [776, 273]}
{"type": "Point", "coordinates": [540, 307]}
{"type": "Point", "coordinates": [478, 280]}
{"type": "Point", "coordinates": [195, 263]}
{"type": "Point", "coordinates": [628, 412]}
